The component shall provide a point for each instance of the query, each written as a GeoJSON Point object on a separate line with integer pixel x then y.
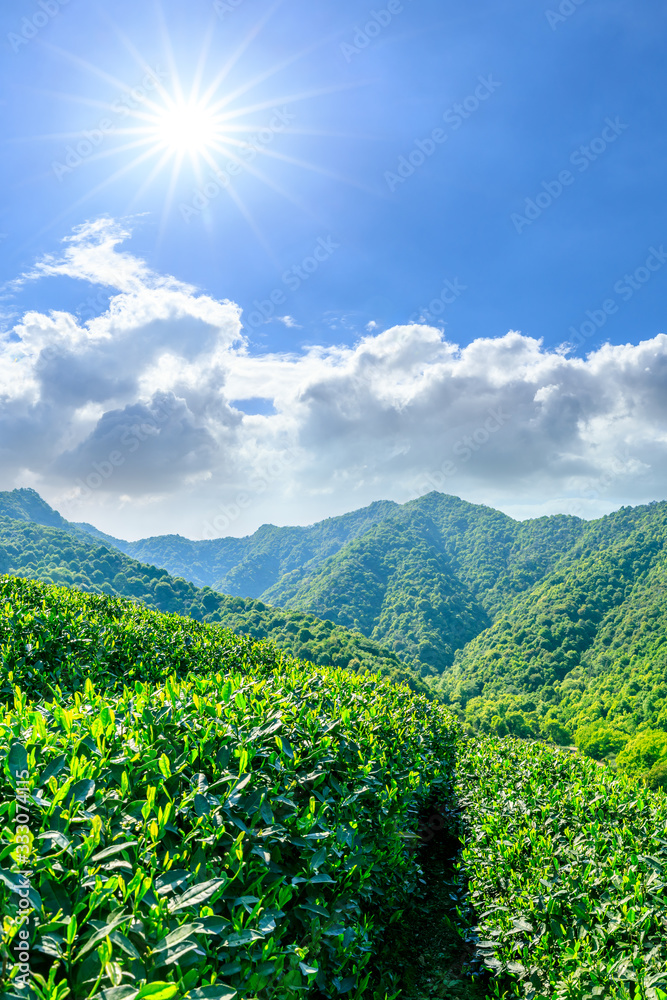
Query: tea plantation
{"type": "Point", "coordinates": [187, 813]}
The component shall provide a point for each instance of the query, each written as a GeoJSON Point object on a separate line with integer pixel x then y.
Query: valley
{"type": "Point", "coordinates": [415, 751]}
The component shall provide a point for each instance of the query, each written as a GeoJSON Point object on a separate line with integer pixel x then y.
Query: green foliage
{"type": "Point", "coordinates": [209, 818]}
{"type": "Point", "coordinates": [598, 740]}
{"type": "Point", "coordinates": [552, 628]}
{"type": "Point", "coordinates": [556, 733]}
{"type": "Point", "coordinates": [248, 567]}
{"type": "Point", "coordinates": [566, 868]}
{"type": "Point", "coordinates": [205, 813]}
{"type": "Point", "coordinates": [55, 556]}
{"type": "Point", "coordinates": [422, 579]}
{"type": "Point", "coordinates": [394, 585]}
{"type": "Point", "coordinates": [657, 776]}
{"type": "Point", "coordinates": [642, 752]}
{"type": "Point", "coordinates": [588, 643]}
{"type": "Point", "coordinates": [27, 505]}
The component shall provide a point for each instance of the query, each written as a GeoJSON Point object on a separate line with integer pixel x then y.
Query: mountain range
{"type": "Point", "coordinates": [540, 627]}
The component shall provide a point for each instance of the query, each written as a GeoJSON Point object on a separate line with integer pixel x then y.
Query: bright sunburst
{"type": "Point", "coordinates": [187, 128]}
{"type": "Point", "coordinates": [211, 126]}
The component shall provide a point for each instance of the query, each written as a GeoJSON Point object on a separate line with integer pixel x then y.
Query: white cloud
{"type": "Point", "coordinates": [137, 405]}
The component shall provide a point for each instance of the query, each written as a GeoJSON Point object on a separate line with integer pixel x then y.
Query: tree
{"type": "Point", "coordinates": [557, 733]}
{"type": "Point", "coordinates": [657, 776]}
{"type": "Point", "coordinates": [598, 740]}
{"type": "Point", "coordinates": [642, 752]}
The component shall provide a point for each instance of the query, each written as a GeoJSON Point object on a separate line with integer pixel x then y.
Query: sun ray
{"type": "Point", "coordinates": [238, 52]}
{"type": "Point", "coordinates": [90, 194]}
{"type": "Point", "coordinates": [295, 161]}
{"type": "Point", "coordinates": [289, 99]}
{"type": "Point", "coordinates": [261, 239]}
{"type": "Point", "coordinates": [162, 162]}
{"type": "Point", "coordinates": [136, 55]}
{"type": "Point", "coordinates": [179, 127]}
{"type": "Point", "coordinates": [122, 86]}
{"type": "Point", "coordinates": [260, 175]}
{"type": "Point", "coordinates": [201, 64]}
{"type": "Point", "coordinates": [169, 200]}
{"type": "Point", "coordinates": [267, 74]}
{"type": "Point", "coordinates": [106, 153]}
{"type": "Point", "coordinates": [171, 59]}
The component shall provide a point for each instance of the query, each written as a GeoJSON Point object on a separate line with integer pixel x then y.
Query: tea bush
{"type": "Point", "coordinates": [201, 817]}
{"type": "Point", "coordinates": [566, 865]}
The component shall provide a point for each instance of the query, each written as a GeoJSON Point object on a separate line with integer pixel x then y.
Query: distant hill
{"type": "Point", "coordinates": [27, 505]}
{"type": "Point", "coordinates": [53, 555]}
{"type": "Point", "coordinates": [586, 643]}
{"type": "Point", "coordinates": [423, 578]}
{"type": "Point", "coordinates": [550, 627]}
{"type": "Point", "coordinates": [249, 566]}
{"type": "Point", "coordinates": [431, 577]}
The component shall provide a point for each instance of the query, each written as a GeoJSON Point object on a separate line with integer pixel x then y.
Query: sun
{"type": "Point", "coordinates": [186, 127]}
{"type": "Point", "coordinates": [202, 129]}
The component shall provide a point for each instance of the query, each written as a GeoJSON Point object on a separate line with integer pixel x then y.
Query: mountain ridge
{"type": "Point", "coordinates": [545, 627]}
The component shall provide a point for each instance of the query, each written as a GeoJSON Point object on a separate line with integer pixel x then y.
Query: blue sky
{"type": "Point", "coordinates": [476, 169]}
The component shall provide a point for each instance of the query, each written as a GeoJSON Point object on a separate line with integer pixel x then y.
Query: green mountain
{"type": "Point", "coordinates": [552, 627]}
{"type": "Point", "coordinates": [588, 643]}
{"type": "Point", "coordinates": [27, 505]}
{"type": "Point", "coordinates": [249, 566]}
{"type": "Point", "coordinates": [66, 557]}
{"type": "Point", "coordinates": [422, 579]}
{"type": "Point", "coordinates": [431, 577]}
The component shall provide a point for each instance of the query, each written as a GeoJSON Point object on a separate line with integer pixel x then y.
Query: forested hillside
{"type": "Point", "coordinates": [249, 566]}
{"type": "Point", "coordinates": [431, 577]}
{"type": "Point", "coordinates": [586, 647]}
{"type": "Point", "coordinates": [56, 556]}
{"type": "Point", "coordinates": [553, 628]}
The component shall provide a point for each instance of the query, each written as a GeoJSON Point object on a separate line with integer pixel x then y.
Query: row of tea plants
{"type": "Point", "coordinates": [242, 829]}
{"type": "Point", "coordinates": [209, 819]}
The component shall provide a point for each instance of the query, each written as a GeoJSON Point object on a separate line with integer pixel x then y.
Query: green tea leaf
{"type": "Point", "coordinates": [158, 991]}
{"type": "Point", "coordinates": [197, 895]}
{"type": "Point", "coordinates": [52, 769]}
{"type": "Point", "coordinates": [116, 921]}
{"type": "Point", "coordinates": [17, 759]}
{"type": "Point", "coordinates": [109, 852]}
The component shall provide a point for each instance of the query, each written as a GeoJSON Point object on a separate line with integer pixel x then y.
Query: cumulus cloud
{"type": "Point", "coordinates": [135, 407]}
